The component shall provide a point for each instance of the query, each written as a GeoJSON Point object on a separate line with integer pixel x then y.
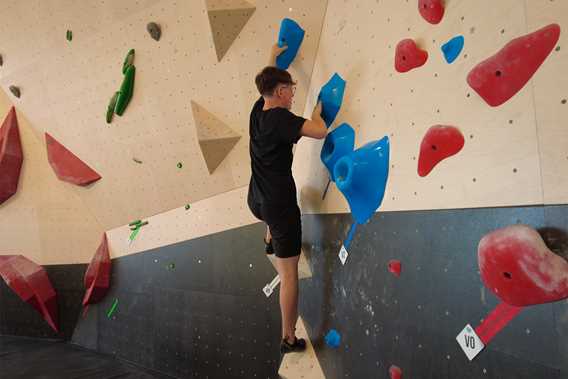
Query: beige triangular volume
{"type": "Point", "coordinates": [303, 365]}
{"type": "Point", "coordinates": [227, 23]}
{"type": "Point", "coordinates": [215, 150]}
{"type": "Point", "coordinates": [304, 269]}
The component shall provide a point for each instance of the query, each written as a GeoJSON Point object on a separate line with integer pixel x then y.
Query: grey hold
{"type": "Point", "coordinates": [15, 91]}
{"type": "Point", "coordinates": [154, 30]}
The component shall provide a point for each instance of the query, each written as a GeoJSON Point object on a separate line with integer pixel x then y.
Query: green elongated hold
{"type": "Point", "coordinates": [112, 308]}
{"type": "Point", "coordinates": [110, 108]}
{"type": "Point", "coordinates": [128, 61]}
{"type": "Point", "coordinates": [126, 89]}
{"type": "Point", "coordinates": [135, 222]}
{"type": "Point", "coordinates": [69, 35]}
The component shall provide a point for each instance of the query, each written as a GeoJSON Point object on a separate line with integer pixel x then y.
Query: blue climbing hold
{"type": "Point", "coordinates": [338, 143]}
{"type": "Point", "coordinates": [292, 35]}
{"type": "Point", "coordinates": [362, 178]}
{"type": "Point", "coordinates": [331, 97]}
{"type": "Point", "coordinates": [453, 48]}
{"type": "Point", "coordinates": [333, 338]}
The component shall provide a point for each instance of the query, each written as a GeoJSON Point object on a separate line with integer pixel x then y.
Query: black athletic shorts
{"type": "Point", "coordinates": [285, 226]}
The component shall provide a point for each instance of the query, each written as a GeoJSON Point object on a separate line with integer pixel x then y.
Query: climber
{"type": "Point", "coordinates": [273, 130]}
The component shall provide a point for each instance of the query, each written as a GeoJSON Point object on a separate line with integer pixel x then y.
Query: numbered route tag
{"type": "Point", "coordinates": [343, 254]}
{"type": "Point", "coordinates": [470, 342]}
{"type": "Point", "coordinates": [269, 288]}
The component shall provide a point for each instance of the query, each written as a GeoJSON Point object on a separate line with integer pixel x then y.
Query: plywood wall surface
{"type": "Point", "coordinates": [500, 163]}
{"type": "Point", "coordinates": [66, 87]}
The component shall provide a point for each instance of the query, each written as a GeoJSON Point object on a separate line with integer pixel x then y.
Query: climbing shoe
{"type": "Point", "coordinates": [298, 345]}
{"type": "Point", "coordinates": [268, 248]}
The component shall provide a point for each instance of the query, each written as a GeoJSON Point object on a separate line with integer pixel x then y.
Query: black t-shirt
{"type": "Point", "coordinates": [272, 134]}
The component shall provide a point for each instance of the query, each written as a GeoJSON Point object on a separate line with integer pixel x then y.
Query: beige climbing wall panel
{"type": "Point", "coordinates": [66, 87]}
{"type": "Point", "coordinates": [44, 220]}
{"type": "Point", "coordinates": [500, 163]}
{"type": "Point", "coordinates": [304, 365]}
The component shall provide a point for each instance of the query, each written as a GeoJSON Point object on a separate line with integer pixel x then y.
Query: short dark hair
{"type": "Point", "coordinates": [268, 79]}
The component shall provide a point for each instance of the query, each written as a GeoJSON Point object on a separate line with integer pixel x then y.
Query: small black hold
{"type": "Point", "coordinates": [563, 101]}
{"type": "Point", "coordinates": [15, 91]}
{"type": "Point", "coordinates": [557, 48]}
{"type": "Point", "coordinates": [498, 73]}
{"type": "Point", "coordinates": [510, 121]}
{"type": "Point", "coordinates": [154, 30]}
{"type": "Point", "coordinates": [514, 170]}
{"type": "Point", "coordinates": [1, 60]}
{"type": "Point", "coordinates": [508, 275]}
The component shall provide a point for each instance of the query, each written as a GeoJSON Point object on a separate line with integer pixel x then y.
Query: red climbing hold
{"type": "Point", "coordinates": [97, 276]}
{"type": "Point", "coordinates": [11, 156]}
{"type": "Point", "coordinates": [67, 166]}
{"type": "Point", "coordinates": [518, 267]}
{"type": "Point", "coordinates": [431, 10]}
{"type": "Point", "coordinates": [31, 283]}
{"type": "Point", "coordinates": [501, 76]}
{"type": "Point", "coordinates": [395, 372]}
{"type": "Point", "coordinates": [395, 267]}
{"type": "Point", "coordinates": [408, 56]}
{"type": "Point", "coordinates": [439, 143]}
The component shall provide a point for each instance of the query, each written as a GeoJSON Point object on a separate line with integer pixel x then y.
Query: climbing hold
{"type": "Point", "coordinates": [138, 225]}
{"type": "Point", "coordinates": [97, 276]}
{"type": "Point", "coordinates": [1, 60]}
{"type": "Point", "coordinates": [137, 160]}
{"type": "Point", "coordinates": [291, 35]}
{"type": "Point", "coordinates": [15, 91]}
{"type": "Point", "coordinates": [362, 178]}
{"type": "Point", "coordinates": [179, 165]}
{"type": "Point", "coordinates": [134, 223]}
{"type": "Point", "coordinates": [395, 372]}
{"type": "Point", "coordinates": [31, 283]}
{"type": "Point", "coordinates": [154, 30]}
{"type": "Point", "coordinates": [67, 166]}
{"type": "Point", "coordinates": [431, 10]}
{"type": "Point", "coordinates": [331, 97]}
{"type": "Point", "coordinates": [395, 267]}
{"type": "Point", "coordinates": [187, 206]}
{"type": "Point", "coordinates": [333, 338]}
{"type": "Point", "coordinates": [11, 156]}
{"type": "Point", "coordinates": [126, 89]}
{"type": "Point", "coordinates": [408, 56]}
{"type": "Point", "coordinates": [338, 143]}
{"type": "Point", "coordinates": [69, 35]}
{"type": "Point", "coordinates": [439, 143]}
{"type": "Point", "coordinates": [112, 308]}
{"type": "Point", "coordinates": [171, 266]}
{"type": "Point", "coordinates": [516, 265]}
{"type": "Point", "coordinates": [111, 106]}
{"type": "Point", "coordinates": [453, 48]}
{"type": "Point", "coordinates": [128, 61]}
{"type": "Point", "coordinates": [501, 76]}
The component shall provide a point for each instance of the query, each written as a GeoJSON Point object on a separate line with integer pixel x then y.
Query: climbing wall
{"type": "Point", "coordinates": [151, 159]}
{"type": "Point", "coordinates": [158, 127]}
{"type": "Point", "coordinates": [513, 154]}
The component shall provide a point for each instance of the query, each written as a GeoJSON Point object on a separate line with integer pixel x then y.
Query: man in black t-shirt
{"type": "Point", "coordinates": [273, 130]}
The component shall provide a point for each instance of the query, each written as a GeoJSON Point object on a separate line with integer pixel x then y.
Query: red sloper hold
{"type": "Point", "coordinates": [439, 143]}
{"type": "Point", "coordinates": [501, 76]}
{"type": "Point", "coordinates": [97, 276]}
{"type": "Point", "coordinates": [67, 166]}
{"type": "Point", "coordinates": [31, 283]}
{"type": "Point", "coordinates": [395, 267]}
{"type": "Point", "coordinates": [395, 372]}
{"type": "Point", "coordinates": [431, 10]}
{"type": "Point", "coordinates": [11, 156]}
{"type": "Point", "coordinates": [408, 56]}
{"type": "Point", "coordinates": [518, 267]}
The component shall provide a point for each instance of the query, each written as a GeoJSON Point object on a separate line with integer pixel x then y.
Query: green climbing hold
{"type": "Point", "coordinates": [187, 206]}
{"type": "Point", "coordinates": [135, 222]}
{"type": "Point", "coordinates": [111, 106]}
{"type": "Point", "coordinates": [171, 266]}
{"type": "Point", "coordinates": [69, 35]}
{"type": "Point", "coordinates": [113, 308]}
{"type": "Point", "coordinates": [128, 61]}
{"type": "Point", "coordinates": [179, 165]}
{"type": "Point", "coordinates": [126, 89]}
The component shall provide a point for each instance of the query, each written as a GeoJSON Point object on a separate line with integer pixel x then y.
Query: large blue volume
{"type": "Point", "coordinates": [362, 178]}
{"type": "Point", "coordinates": [338, 143]}
{"type": "Point", "coordinates": [453, 48]}
{"type": "Point", "coordinates": [331, 97]}
{"type": "Point", "coordinates": [291, 35]}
